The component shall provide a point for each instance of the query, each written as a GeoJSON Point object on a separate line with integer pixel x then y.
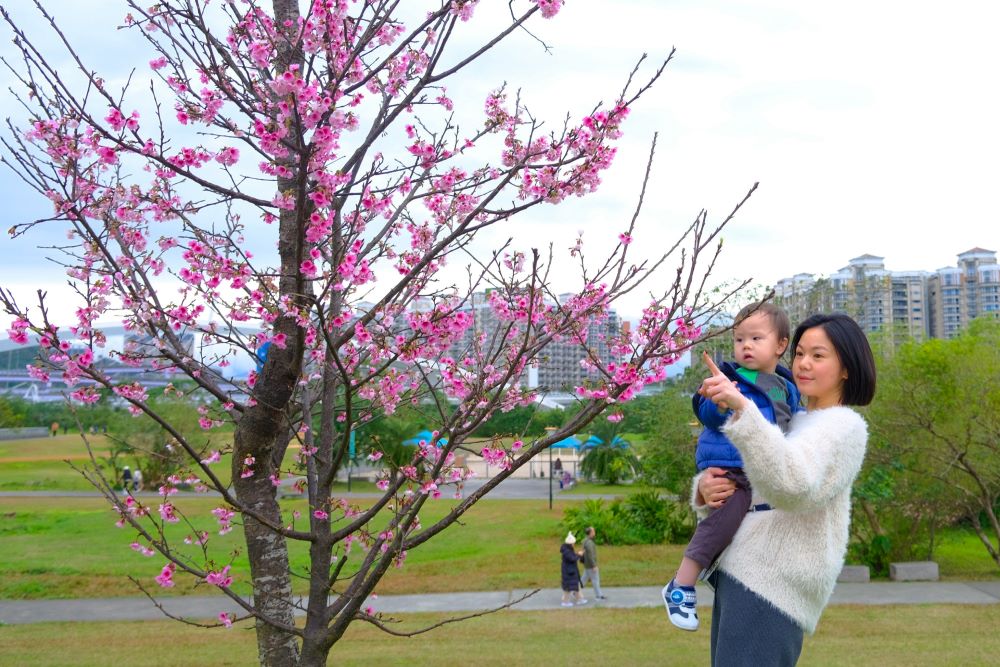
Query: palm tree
{"type": "Point", "coordinates": [610, 462]}
{"type": "Point", "coordinates": [607, 456]}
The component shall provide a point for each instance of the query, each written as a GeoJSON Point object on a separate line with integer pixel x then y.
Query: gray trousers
{"type": "Point", "coordinates": [594, 576]}
{"type": "Point", "coordinates": [747, 630]}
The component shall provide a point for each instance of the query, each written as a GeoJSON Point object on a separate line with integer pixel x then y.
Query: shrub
{"type": "Point", "coordinates": [644, 518]}
{"type": "Point", "coordinates": [607, 520]}
{"type": "Point", "coordinates": [875, 553]}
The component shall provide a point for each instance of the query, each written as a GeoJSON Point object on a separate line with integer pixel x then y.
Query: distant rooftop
{"type": "Point", "coordinates": [978, 251]}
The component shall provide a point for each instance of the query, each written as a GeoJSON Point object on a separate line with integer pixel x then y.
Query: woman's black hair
{"type": "Point", "coordinates": [854, 351]}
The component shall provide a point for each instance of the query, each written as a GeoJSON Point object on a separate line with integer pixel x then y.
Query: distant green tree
{"type": "Point", "coordinates": [13, 412]}
{"type": "Point", "coordinates": [528, 420]}
{"type": "Point", "coordinates": [936, 419]}
{"type": "Point", "coordinates": [667, 455]}
{"type": "Point", "coordinates": [543, 419]}
{"type": "Point", "coordinates": [28, 413]}
{"type": "Point", "coordinates": [641, 413]}
{"type": "Point", "coordinates": [141, 441]}
{"type": "Point", "coordinates": [387, 435]}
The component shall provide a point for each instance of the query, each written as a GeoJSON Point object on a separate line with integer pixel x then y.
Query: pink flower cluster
{"type": "Point", "coordinates": [224, 516]}
{"type": "Point", "coordinates": [166, 576]}
{"type": "Point", "coordinates": [140, 548]}
{"type": "Point", "coordinates": [496, 456]}
{"type": "Point", "coordinates": [18, 332]}
{"type": "Point", "coordinates": [220, 578]}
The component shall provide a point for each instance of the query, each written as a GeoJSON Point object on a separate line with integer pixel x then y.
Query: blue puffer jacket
{"type": "Point", "coordinates": [714, 448]}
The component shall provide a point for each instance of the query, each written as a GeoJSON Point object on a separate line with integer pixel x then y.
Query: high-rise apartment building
{"type": "Point", "coordinates": [936, 304]}
{"type": "Point", "coordinates": [558, 367]}
{"type": "Point", "coordinates": [965, 292]}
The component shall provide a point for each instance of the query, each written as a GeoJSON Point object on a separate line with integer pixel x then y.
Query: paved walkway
{"type": "Point", "coordinates": [132, 609]}
{"type": "Point", "coordinates": [509, 489]}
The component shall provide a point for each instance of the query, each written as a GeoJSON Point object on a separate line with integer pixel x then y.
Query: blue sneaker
{"type": "Point", "coordinates": [681, 604]}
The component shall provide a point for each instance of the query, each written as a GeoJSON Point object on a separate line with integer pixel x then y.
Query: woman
{"type": "Point", "coordinates": [773, 582]}
{"type": "Point", "coordinates": [571, 572]}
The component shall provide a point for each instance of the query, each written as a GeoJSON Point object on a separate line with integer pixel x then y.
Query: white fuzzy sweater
{"type": "Point", "coordinates": [791, 555]}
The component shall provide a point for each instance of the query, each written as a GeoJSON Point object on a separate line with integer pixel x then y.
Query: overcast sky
{"type": "Point", "coordinates": [872, 127]}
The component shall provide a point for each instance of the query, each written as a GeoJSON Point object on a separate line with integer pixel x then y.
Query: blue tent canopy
{"type": "Point", "coordinates": [567, 443]}
{"type": "Point", "coordinates": [424, 435]}
{"type": "Point", "coordinates": [594, 441]}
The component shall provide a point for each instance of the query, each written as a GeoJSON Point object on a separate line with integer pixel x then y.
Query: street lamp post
{"type": "Point", "coordinates": [549, 430]}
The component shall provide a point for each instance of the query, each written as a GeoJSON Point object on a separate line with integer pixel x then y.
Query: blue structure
{"type": "Point", "coordinates": [425, 435]}
{"type": "Point", "coordinates": [567, 443]}
{"type": "Point", "coordinates": [594, 441]}
{"type": "Point", "coordinates": [262, 355]}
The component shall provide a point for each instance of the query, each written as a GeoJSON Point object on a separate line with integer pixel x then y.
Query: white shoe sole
{"type": "Point", "coordinates": [666, 605]}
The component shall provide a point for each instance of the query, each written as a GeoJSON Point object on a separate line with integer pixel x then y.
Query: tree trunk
{"type": "Point", "coordinates": [264, 423]}
{"type": "Point", "coordinates": [983, 537]}
{"type": "Point", "coordinates": [873, 521]}
{"type": "Point", "coordinates": [267, 552]}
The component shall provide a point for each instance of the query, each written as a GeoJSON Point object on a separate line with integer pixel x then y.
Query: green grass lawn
{"type": "Point", "coordinates": [39, 464]}
{"type": "Point", "coordinates": [43, 476]}
{"type": "Point", "coordinates": [58, 547]}
{"type": "Point", "coordinates": [36, 464]}
{"type": "Point", "coordinates": [960, 555]}
{"type": "Point", "coordinates": [69, 547]}
{"type": "Point", "coordinates": [59, 447]}
{"type": "Point", "coordinates": [857, 636]}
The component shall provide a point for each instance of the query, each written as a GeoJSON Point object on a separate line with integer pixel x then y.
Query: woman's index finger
{"type": "Point", "coordinates": [713, 369]}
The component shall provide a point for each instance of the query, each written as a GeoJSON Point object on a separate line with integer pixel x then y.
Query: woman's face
{"type": "Point", "coordinates": [819, 375]}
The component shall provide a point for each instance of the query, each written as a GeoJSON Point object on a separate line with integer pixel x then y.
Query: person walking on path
{"type": "Point", "coordinates": [590, 571]}
{"type": "Point", "coordinates": [778, 574]}
{"type": "Point", "coordinates": [571, 572]}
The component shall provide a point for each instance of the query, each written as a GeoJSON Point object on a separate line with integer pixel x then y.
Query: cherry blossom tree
{"type": "Point", "coordinates": [327, 128]}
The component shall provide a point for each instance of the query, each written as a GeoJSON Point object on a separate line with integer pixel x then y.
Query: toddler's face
{"type": "Point", "coordinates": [756, 344]}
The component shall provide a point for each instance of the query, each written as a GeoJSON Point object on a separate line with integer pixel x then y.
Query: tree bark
{"type": "Point", "coordinates": [267, 552]}
{"type": "Point", "coordinates": [263, 424]}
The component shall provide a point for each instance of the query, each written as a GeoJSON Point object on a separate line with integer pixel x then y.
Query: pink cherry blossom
{"type": "Point", "coordinates": [165, 578]}
{"type": "Point", "coordinates": [220, 578]}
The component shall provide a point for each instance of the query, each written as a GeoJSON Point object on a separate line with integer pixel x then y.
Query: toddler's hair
{"type": "Point", "coordinates": [777, 315]}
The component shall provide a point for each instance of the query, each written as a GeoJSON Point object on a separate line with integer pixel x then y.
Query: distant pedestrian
{"type": "Point", "coordinates": [571, 572]}
{"type": "Point", "coordinates": [127, 479]}
{"type": "Point", "coordinates": [137, 480]}
{"type": "Point", "coordinates": [590, 571]}
{"type": "Point", "coordinates": [54, 429]}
